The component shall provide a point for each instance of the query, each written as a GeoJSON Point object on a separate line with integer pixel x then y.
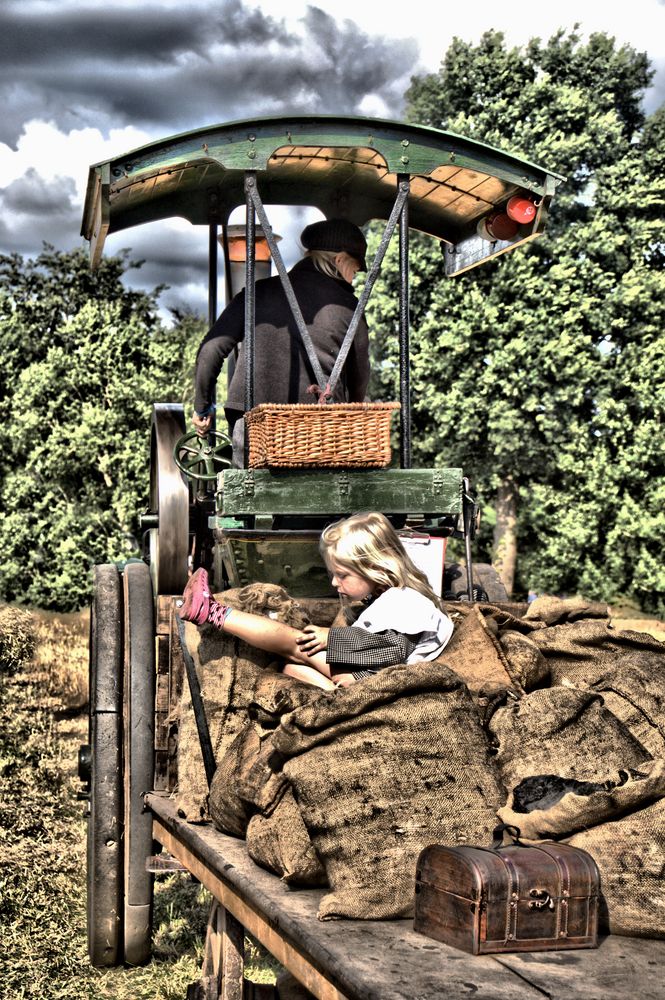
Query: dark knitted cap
{"type": "Point", "coordinates": [336, 235]}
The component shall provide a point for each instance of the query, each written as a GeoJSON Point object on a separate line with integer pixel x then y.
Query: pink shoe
{"type": "Point", "coordinates": [195, 605]}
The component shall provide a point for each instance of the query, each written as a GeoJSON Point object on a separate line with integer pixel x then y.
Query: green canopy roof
{"type": "Point", "coordinates": [346, 167]}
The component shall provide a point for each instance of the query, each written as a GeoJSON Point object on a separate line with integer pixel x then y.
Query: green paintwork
{"type": "Point", "coordinates": [341, 165]}
{"type": "Point", "coordinates": [393, 491]}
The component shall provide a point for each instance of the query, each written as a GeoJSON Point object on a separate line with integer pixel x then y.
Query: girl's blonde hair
{"type": "Point", "coordinates": [367, 544]}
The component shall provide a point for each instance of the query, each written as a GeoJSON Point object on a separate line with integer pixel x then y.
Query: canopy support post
{"type": "Point", "coordinates": [404, 371]}
{"type": "Point", "coordinates": [250, 298]}
{"type": "Point", "coordinates": [213, 205]}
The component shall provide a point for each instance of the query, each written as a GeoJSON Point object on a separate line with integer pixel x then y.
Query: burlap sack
{"type": "Point", "coordinates": [554, 610]}
{"type": "Point", "coordinates": [228, 811]}
{"type": "Point", "coordinates": [476, 655]}
{"type": "Point", "coordinates": [575, 811]}
{"type": "Point", "coordinates": [561, 731]}
{"type": "Point", "coordinates": [278, 840]}
{"type": "Point", "coordinates": [579, 653]}
{"type": "Point", "coordinates": [636, 696]}
{"type": "Point", "coordinates": [244, 781]}
{"type": "Point", "coordinates": [381, 769]}
{"type": "Point", "coordinates": [458, 610]}
{"type": "Point", "coordinates": [630, 854]}
{"type": "Point", "coordinates": [229, 673]}
{"type": "Point", "coordinates": [526, 664]}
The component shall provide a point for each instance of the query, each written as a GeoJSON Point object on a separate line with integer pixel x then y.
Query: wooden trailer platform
{"type": "Point", "coordinates": [379, 960]}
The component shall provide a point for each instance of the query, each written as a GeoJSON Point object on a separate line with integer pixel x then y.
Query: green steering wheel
{"type": "Point", "coordinates": [192, 450]}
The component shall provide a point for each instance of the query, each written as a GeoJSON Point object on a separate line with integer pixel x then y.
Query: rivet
{"type": "Point", "coordinates": [251, 154]}
{"type": "Point", "coordinates": [405, 142]}
{"type": "Point", "coordinates": [405, 159]}
{"type": "Point", "coordinates": [451, 157]}
{"type": "Point", "coordinates": [510, 937]}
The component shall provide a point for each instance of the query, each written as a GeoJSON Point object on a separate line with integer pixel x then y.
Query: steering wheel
{"type": "Point", "coordinates": [192, 450]}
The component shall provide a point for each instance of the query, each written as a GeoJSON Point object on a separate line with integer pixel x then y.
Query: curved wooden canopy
{"type": "Point", "coordinates": [344, 166]}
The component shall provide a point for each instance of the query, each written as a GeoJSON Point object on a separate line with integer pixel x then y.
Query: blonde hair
{"type": "Point", "coordinates": [367, 544]}
{"type": "Point", "coordinates": [324, 261]}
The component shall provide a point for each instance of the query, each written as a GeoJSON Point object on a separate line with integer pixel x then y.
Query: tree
{"type": "Point", "coordinates": [619, 475]}
{"type": "Point", "coordinates": [82, 361]}
{"type": "Point", "coordinates": [511, 360]}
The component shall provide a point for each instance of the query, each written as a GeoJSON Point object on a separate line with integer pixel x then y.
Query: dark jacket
{"type": "Point", "coordinates": [282, 373]}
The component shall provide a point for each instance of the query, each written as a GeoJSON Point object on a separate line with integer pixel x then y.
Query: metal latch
{"type": "Point", "coordinates": [540, 900]}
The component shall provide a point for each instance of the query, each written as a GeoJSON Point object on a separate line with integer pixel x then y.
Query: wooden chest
{"type": "Point", "coordinates": [516, 898]}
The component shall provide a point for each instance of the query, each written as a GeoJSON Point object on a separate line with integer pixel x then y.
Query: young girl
{"type": "Point", "coordinates": [400, 620]}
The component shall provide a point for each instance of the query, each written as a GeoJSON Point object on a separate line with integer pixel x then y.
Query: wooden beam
{"type": "Point", "coordinates": [257, 925]}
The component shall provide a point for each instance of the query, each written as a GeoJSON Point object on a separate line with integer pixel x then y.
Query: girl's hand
{"type": "Point", "coordinates": [343, 680]}
{"type": "Point", "coordinates": [314, 639]}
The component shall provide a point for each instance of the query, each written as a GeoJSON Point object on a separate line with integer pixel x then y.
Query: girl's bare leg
{"type": "Point", "coordinates": [309, 675]}
{"type": "Point", "coordinates": [274, 637]}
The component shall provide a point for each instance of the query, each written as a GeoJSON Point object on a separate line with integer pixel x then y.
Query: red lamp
{"type": "Point", "coordinates": [520, 209]}
{"type": "Point", "coordinates": [497, 226]}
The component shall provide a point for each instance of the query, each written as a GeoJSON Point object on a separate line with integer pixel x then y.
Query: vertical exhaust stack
{"type": "Point", "coordinates": [238, 254]}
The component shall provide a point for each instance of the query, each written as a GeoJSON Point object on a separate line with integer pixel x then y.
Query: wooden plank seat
{"type": "Point", "coordinates": [387, 960]}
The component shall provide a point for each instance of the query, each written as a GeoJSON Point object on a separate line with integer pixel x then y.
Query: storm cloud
{"type": "Point", "coordinates": [148, 70]}
{"type": "Point", "coordinates": [184, 67]}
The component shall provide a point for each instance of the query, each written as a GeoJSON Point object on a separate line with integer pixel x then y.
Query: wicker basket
{"type": "Point", "coordinates": [332, 435]}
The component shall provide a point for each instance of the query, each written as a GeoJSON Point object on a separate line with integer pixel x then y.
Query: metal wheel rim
{"type": "Point", "coordinates": [138, 746]}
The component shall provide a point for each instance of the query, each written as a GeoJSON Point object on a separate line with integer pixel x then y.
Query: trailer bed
{"type": "Point", "coordinates": [387, 960]}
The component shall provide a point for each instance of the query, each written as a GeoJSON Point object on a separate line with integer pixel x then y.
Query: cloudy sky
{"type": "Point", "coordinates": [85, 80]}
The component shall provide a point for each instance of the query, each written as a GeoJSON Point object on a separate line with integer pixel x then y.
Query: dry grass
{"type": "Point", "coordinates": [17, 638]}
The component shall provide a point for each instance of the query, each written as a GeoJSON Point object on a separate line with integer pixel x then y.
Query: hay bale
{"type": "Point", "coordinates": [17, 638]}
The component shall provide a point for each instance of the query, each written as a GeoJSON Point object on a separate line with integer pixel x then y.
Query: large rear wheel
{"type": "Point", "coordinates": [101, 767]}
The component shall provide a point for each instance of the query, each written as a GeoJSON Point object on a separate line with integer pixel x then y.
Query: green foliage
{"type": "Point", "coordinates": [546, 366]}
{"type": "Point", "coordinates": [83, 359]}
